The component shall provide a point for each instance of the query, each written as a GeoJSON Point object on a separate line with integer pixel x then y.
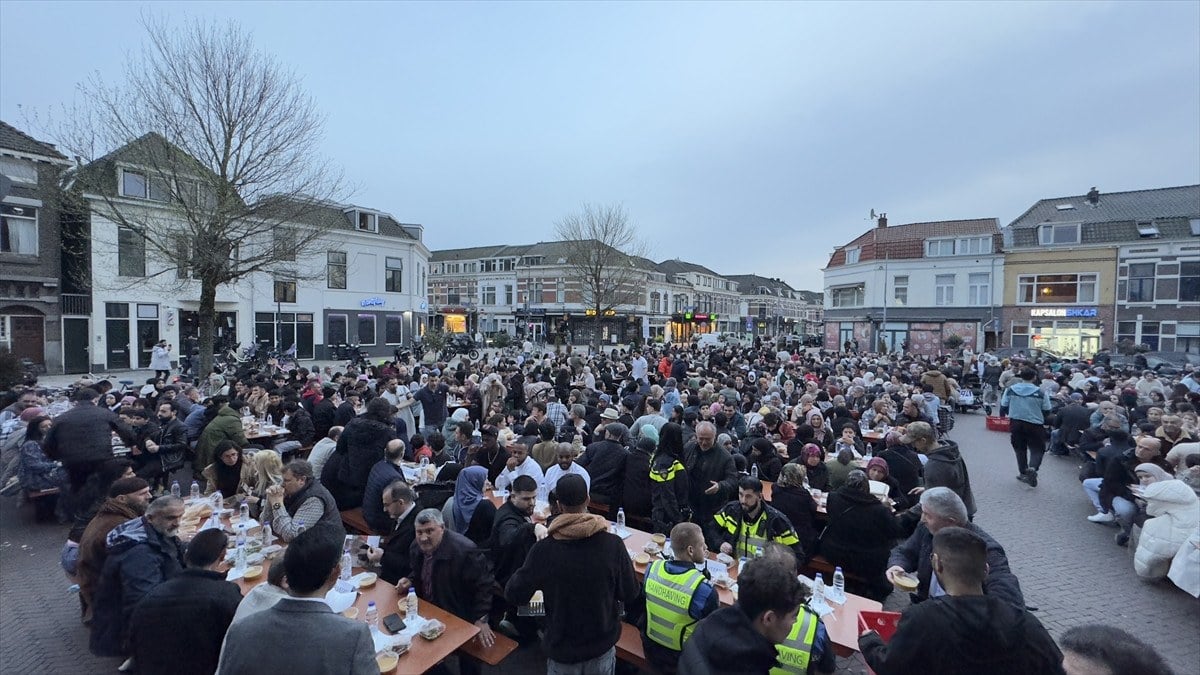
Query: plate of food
{"type": "Point", "coordinates": [652, 548]}
{"type": "Point", "coordinates": [367, 579]}
{"type": "Point", "coordinates": [642, 558]}
{"type": "Point", "coordinates": [724, 558]}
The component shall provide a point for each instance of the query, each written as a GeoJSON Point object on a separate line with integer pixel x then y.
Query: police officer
{"type": "Point", "coordinates": [807, 647]}
{"type": "Point", "coordinates": [749, 523]}
{"type": "Point", "coordinates": [677, 596]}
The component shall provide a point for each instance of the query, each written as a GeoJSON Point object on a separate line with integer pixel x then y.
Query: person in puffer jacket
{"type": "Point", "coordinates": [1027, 406]}
{"type": "Point", "coordinates": [1174, 512]}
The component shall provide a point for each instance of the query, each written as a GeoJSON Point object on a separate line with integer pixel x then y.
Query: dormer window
{"type": "Point", "coordinates": [1147, 230]}
{"type": "Point", "coordinates": [365, 221]}
{"type": "Point", "coordinates": [1058, 233]}
{"type": "Point", "coordinates": [138, 185]}
{"type": "Point", "coordinates": [852, 255]}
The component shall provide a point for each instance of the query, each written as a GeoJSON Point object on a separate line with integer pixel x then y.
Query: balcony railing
{"type": "Point", "coordinates": [76, 304]}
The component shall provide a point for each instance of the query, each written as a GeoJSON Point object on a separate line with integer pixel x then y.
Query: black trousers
{"type": "Point", "coordinates": [1028, 442]}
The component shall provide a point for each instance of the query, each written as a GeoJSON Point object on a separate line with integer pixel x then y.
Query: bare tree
{"type": "Point", "coordinates": [226, 139]}
{"type": "Point", "coordinates": [602, 249]}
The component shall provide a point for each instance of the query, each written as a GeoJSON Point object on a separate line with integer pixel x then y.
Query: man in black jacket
{"type": "Point", "coordinates": [964, 630]}
{"type": "Point", "coordinates": [449, 571]}
{"type": "Point", "coordinates": [1069, 424]}
{"type": "Point", "coordinates": [167, 444]}
{"type": "Point", "coordinates": [81, 438]}
{"type": "Point", "coordinates": [712, 481]}
{"type": "Point", "coordinates": [395, 558]}
{"type": "Point", "coordinates": [513, 534]}
{"type": "Point", "coordinates": [348, 410]}
{"type": "Point", "coordinates": [323, 415]}
{"type": "Point", "coordinates": [605, 463]}
{"type": "Point", "coordinates": [199, 598]}
{"type": "Point", "coordinates": [583, 572]}
{"type": "Point", "coordinates": [941, 507]}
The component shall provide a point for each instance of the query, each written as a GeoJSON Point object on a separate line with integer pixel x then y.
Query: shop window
{"type": "Point", "coordinates": [1150, 334]}
{"type": "Point", "coordinates": [336, 333]}
{"type": "Point", "coordinates": [366, 329]}
{"type": "Point", "coordinates": [1189, 282]}
{"type": "Point", "coordinates": [1141, 283]}
{"type": "Point", "coordinates": [393, 329]}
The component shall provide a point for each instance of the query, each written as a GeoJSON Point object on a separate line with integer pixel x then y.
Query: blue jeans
{"type": "Point", "coordinates": [605, 664]}
{"type": "Point", "coordinates": [1125, 511]}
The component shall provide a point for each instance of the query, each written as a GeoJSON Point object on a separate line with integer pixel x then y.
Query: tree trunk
{"type": "Point", "coordinates": [207, 320]}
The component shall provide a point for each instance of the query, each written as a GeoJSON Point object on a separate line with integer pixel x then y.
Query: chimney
{"type": "Point", "coordinates": [882, 220]}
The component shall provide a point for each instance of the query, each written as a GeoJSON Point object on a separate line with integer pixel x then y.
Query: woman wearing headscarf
{"type": "Point", "coordinates": [470, 513]}
{"type": "Point", "coordinates": [668, 480]}
{"type": "Point", "coordinates": [860, 535]}
{"type": "Point", "coordinates": [877, 470]}
{"type": "Point", "coordinates": [818, 473]}
{"type": "Point", "coordinates": [793, 500]}
{"type": "Point", "coordinates": [1174, 516]}
{"type": "Point", "coordinates": [37, 471]}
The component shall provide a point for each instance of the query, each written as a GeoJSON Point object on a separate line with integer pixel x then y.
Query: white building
{"type": "Point", "coordinates": [912, 286]}
{"type": "Point", "coordinates": [363, 280]}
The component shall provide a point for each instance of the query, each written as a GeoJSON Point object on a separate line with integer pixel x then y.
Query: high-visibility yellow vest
{"type": "Point", "coordinates": [668, 475]}
{"type": "Point", "coordinates": [795, 652]}
{"type": "Point", "coordinates": [749, 542]}
{"type": "Point", "coordinates": [668, 597]}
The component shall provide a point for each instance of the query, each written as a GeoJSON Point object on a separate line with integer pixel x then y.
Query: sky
{"type": "Point", "coordinates": [746, 137]}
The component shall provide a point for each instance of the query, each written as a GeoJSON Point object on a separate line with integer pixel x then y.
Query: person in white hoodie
{"type": "Point", "coordinates": [1174, 512]}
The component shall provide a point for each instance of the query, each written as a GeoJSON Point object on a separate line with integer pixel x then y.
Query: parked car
{"type": "Point", "coordinates": [1168, 363]}
{"type": "Point", "coordinates": [1025, 353]}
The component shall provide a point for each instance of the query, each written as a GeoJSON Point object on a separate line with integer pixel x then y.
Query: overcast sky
{"type": "Point", "coordinates": [750, 138]}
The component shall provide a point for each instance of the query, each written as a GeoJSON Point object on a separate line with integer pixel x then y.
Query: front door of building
{"type": "Point", "coordinates": [75, 346]}
{"type": "Point", "coordinates": [117, 334]}
{"type": "Point", "coordinates": [29, 338]}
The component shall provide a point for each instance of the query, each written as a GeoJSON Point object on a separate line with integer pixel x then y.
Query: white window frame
{"type": "Point", "coordinates": [1090, 281]}
{"type": "Point", "coordinates": [19, 170]}
{"type": "Point", "coordinates": [899, 288]}
{"type": "Point", "coordinates": [345, 321]}
{"type": "Point", "coordinates": [1047, 234]}
{"type": "Point", "coordinates": [24, 219]}
{"type": "Point", "coordinates": [853, 255]}
{"type": "Point", "coordinates": [979, 293]}
{"type": "Point", "coordinates": [391, 264]}
{"type": "Point", "coordinates": [938, 248]}
{"type": "Point", "coordinates": [857, 291]}
{"type": "Point", "coordinates": [943, 291]}
{"type": "Point", "coordinates": [487, 296]}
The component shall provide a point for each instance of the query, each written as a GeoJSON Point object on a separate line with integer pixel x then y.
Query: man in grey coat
{"type": "Point", "coordinates": [300, 633]}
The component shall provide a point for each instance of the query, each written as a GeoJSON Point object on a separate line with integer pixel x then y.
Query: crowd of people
{"type": "Point", "coordinates": [679, 440]}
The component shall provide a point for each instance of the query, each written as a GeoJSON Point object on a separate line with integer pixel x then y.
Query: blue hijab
{"type": "Point", "coordinates": [468, 491]}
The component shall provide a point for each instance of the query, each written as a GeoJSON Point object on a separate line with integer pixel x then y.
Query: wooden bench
{"type": "Point", "coordinates": [500, 649]}
{"type": "Point", "coordinates": [629, 647]}
{"type": "Point", "coordinates": [43, 506]}
{"type": "Point", "coordinates": [354, 522]}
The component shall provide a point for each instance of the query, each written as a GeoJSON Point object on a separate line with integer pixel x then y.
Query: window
{"type": "Point", "coordinates": [1147, 230]}
{"type": "Point", "coordinates": [507, 264]}
{"type": "Point", "coordinates": [850, 296]}
{"type": "Point", "coordinates": [1141, 283]}
{"type": "Point", "coordinates": [182, 248]}
{"type": "Point", "coordinates": [900, 291]}
{"type": "Point", "coordinates": [1150, 334]}
{"type": "Point", "coordinates": [939, 247]}
{"type": "Point", "coordinates": [534, 294]}
{"type": "Point", "coordinates": [1194, 223]}
{"type": "Point", "coordinates": [489, 295]}
{"type": "Point", "coordinates": [393, 329]}
{"type": "Point", "coordinates": [974, 246]}
{"type": "Point", "coordinates": [18, 230]}
{"type": "Point", "coordinates": [944, 289]}
{"type": "Point", "coordinates": [1059, 234]}
{"type": "Point", "coordinates": [18, 170]}
{"type": "Point", "coordinates": [393, 276]}
{"type": "Point", "coordinates": [979, 289]}
{"type": "Point", "coordinates": [852, 255]}
{"type": "Point", "coordinates": [1056, 289]}
{"type": "Point", "coordinates": [136, 184]}
{"type": "Point", "coordinates": [1189, 282]}
{"type": "Point", "coordinates": [335, 269]}
{"type": "Point", "coordinates": [285, 290]}
{"type": "Point", "coordinates": [285, 243]}
{"type": "Point", "coordinates": [366, 329]}
{"type": "Point", "coordinates": [508, 294]}
{"type": "Point", "coordinates": [336, 334]}
{"type": "Point", "coordinates": [131, 253]}
{"type": "Point", "coordinates": [560, 290]}
{"type": "Point", "coordinates": [489, 265]}
{"type": "Point", "coordinates": [367, 222]}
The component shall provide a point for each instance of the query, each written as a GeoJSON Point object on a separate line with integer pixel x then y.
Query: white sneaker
{"type": "Point", "coordinates": [1101, 518]}
{"type": "Point", "coordinates": [127, 666]}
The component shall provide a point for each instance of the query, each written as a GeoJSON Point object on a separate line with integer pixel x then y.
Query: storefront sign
{"type": "Point", "coordinates": [1069, 312]}
{"type": "Point", "coordinates": [372, 302]}
{"type": "Point", "coordinates": [592, 312]}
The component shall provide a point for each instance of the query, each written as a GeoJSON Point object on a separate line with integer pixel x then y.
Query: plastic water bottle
{"type": "Point", "coordinates": [839, 585]}
{"type": "Point", "coordinates": [621, 520]}
{"type": "Point", "coordinates": [424, 462]}
{"type": "Point", "coordinates": [412, 603]}
{"type": "Point", "coordinates": [175, 491]}
{"type": "Point", "coordinates": [266, 535]}
{"type": "Point", "coordinates": [240, 555]}
{"type": "Point", "coordinates": [347, 563]}
{"type": "Point", "coordinates": [244, 511]}
{"type": "Point", "coordinates": [372, 615]}
{"type": "Point", "coordinates": [754, 471]}
{"type": "Point", "coordinates": [218, 501]}
{"type": "Point", "coordinates": [195, 493]}
{"type": "Point", "coordinates": [818, 591]}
